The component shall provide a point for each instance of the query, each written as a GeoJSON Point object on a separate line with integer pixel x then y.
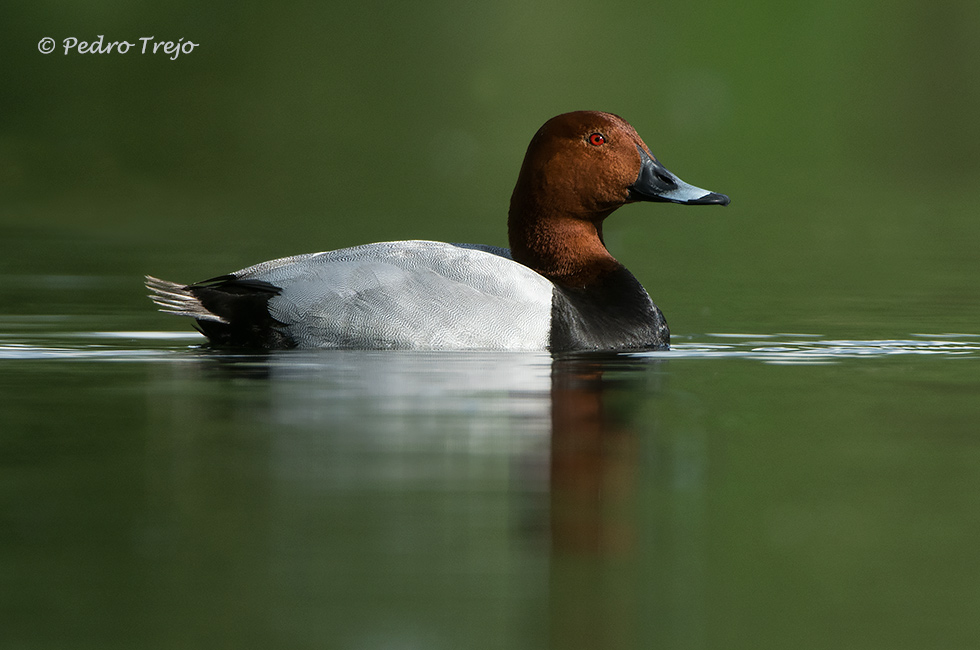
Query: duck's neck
{"type": "Point", "coordinates": [565, 249]}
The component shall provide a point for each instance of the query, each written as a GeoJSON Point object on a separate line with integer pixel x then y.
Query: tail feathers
{"type": "Point", "coordinates": [177, 299]}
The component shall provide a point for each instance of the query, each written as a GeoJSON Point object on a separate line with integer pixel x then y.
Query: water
{"type": "Point", "coordinates": [741, 490]}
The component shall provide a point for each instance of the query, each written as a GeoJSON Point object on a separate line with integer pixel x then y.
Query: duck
{"type": "Point", "coordinates": [557, 288]}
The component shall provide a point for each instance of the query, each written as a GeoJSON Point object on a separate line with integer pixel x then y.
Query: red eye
{"type": "Point", "coordinates": [597, 139]}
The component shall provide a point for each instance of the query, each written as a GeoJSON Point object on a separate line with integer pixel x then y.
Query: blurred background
{"type": "Point", "coordinates": [845, 132]}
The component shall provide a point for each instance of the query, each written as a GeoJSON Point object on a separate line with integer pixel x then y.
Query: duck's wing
{"type": "Point", "coordinates": [414, 295]}
{"type": "Point", "coordinates": [406, 295]}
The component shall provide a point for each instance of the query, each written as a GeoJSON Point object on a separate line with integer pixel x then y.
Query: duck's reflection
{"type": "Point", "coordinates": [565, 422]}
{"type": "Point", "coordinates": [593, 459]}
{"type": "Point", "coordinates": [556, 418]}
{"type": "Point", "coordinates": [475, 470]}
{"type": "Point", "coordinates": [594, 586]}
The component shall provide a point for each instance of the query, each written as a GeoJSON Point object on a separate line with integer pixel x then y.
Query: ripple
{"type": "Point", "coordinates": [768, 348]}
{"type": "Point", "coordinates": [813, 349]}
{"type": "Point", "coordinates": [96, 346]}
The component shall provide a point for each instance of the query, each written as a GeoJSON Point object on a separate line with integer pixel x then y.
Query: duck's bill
{"type": "Point", "coordinates": [656, 183]}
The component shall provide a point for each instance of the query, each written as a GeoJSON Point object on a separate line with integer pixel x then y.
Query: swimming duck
{"type": "Point", "coordinates": [557, 287]}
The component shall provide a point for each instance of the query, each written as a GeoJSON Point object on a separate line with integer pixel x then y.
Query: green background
{"type": "Point", "coordinates": [845, 132]}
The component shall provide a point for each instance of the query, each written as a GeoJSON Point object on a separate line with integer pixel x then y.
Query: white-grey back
{"type": "Point", "coordinates": [410, 295]}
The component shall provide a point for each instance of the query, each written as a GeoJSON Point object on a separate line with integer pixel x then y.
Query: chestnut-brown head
{"type": "Point", "coordinates": [578, 168]}
{"type": "Point", "coordinates": [588, 163]}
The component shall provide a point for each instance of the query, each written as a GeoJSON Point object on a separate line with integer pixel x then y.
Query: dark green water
{"type": "Point", "coordinates": [783, 491]}
{"type": "Point", "coordinates": [802, 470]}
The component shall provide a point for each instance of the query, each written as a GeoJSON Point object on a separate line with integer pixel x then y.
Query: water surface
{"type": "Point", "coordinates": [741, 490]}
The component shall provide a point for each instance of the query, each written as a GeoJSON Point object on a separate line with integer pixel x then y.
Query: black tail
{"type": "Point", "coordinates": [231, 312]}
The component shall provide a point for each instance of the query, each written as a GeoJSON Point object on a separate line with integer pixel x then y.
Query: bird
{"type": "Point", "coordinates": [556, 288]}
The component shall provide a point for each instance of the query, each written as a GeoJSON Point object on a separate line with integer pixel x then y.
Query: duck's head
{"type": "Point", "coordinates": [589, 163]}
{"type": "Point", "coordinates": [578, 168]}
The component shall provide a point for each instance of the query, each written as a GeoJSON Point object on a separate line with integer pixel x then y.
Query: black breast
{"type": "Point", "coordinates": [613, 313]}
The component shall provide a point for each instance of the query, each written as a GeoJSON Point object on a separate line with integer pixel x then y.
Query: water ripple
{"type": "Point", "coordinates": [812, 348]}
{"type": "Point", "coordinates": [768, 348]}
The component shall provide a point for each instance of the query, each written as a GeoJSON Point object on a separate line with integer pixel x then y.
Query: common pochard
{"type": "Point", "coordinates": [557, 287]}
